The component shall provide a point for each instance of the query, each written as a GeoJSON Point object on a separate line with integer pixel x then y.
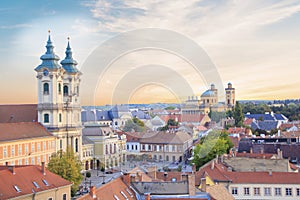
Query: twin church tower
{"type": "Point", "coordinates": [58, 98]}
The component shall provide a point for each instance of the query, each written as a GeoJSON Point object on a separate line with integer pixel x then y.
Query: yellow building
{"type": "Point", "coordinates": [25, 143]}
{"type": "Point", "coordinates": [109, 147]}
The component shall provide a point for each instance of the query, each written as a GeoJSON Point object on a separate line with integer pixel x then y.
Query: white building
{"type": "Point", "coordinates": [58, 98]}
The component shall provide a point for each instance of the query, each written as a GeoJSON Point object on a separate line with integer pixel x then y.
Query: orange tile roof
{"type": "Point", "coordinates": [192, 117]}
{"type": "Point", "coordinates": [107, 191]}
{"type": "Point", "coordinates": [255, 155]}
{"type": "Point", "coordinates": [236, 130]}
{"type": "Point", "coordinates": [24, 177]}
{"type": "Point", "coordinates": [220, 173]}
{"type": "Point", "coordinates": [22, 130]}
{"type": "Point", "coordinates": [248, 121]}
{"type": "Point", "coordinates": [18, 113]}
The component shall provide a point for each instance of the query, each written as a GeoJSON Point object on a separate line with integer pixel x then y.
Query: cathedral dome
{"type": "Point", "coordinates": [208, 93]}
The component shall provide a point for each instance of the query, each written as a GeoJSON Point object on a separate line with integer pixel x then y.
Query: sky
{"type": "Point", "coordinates": [253, 44]}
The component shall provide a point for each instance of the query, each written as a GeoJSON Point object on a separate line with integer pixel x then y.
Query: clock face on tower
{"type": "Point", "coordinates": [45, 72]}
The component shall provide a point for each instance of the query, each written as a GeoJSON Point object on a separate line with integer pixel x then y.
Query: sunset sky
{"type": "Point", "coordinates": [253, 44]}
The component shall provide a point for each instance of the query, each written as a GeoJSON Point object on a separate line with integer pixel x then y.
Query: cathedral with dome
{"type": "Point", "coordinates": [209, 101]}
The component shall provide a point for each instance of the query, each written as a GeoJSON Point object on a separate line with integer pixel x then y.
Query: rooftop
{"type": "Point", "coordinates": [21, 182]}
{"type": "Point", "coordinates": [22, 130]}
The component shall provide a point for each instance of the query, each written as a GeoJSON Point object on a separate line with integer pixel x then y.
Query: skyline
{"type": "Point", "coordinates": [253, 45]}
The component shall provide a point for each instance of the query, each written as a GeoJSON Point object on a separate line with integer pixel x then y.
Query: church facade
{"type": "Point", "coordinates": [58, 98]}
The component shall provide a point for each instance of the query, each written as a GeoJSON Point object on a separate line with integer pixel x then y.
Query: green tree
{"type": "Point", "coordinates": [68, 166]}
{"type": "Point", "coordinates": [215, 143]}
{"type": "Point", "coordinates": [171, 122]}
{"type": "Point", "coordinates": [134, 125]}
{"type": "Point", "coordinates": [238, 114]}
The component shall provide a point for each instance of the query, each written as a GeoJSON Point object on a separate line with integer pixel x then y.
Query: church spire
{"type": "Point", "coordinates": [49, 59]}
{"type": "Point", "coordinates": [69, 64]}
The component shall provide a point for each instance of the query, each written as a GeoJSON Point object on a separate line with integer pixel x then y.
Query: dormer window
{"type": "Point", "coordinates": [46, 88]}
{"type": "Point", "coordinates": [17, 188]}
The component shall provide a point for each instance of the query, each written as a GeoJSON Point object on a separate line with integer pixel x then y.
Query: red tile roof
{"type": "Point", "coordinates": [220, 173]}
{"type": "Point", "coordinates": [232, 130]}
{"type": "Point", "coordinates": [255, 155]}
{"type": "Point", "coordinates": [18, 113]}
{"type": "Point", "coordinates": [24, 177]}
{"type": "Point", "coordinates": [111, 189]}
{"type": "Point", "coordinates": [192, 117]}
{"type": "Point", "coordinates": [22, 130]}
{"type": "Point", "coordinates": [248, 121]}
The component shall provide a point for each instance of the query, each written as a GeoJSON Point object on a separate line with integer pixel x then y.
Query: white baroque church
{"type": "Point", "coordinates": [58, 98]}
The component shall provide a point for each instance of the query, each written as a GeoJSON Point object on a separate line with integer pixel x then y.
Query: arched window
{"type": "Point", "coordinates": [59, 88]}
{"type": "Point", "coordinates": [76, 144]}
{"type": "Point", "coordinates": [46, 118]}
{"type": "Point", "coordinates": [66, 90]}
{"type": "Point", "coordinates": [60, 143]}
{"type": "Point", "coordinates": [59, 117]}
{"type": "Point", "coordinates": [115, 148]}
{"type": "Point", "coordinates": [46, 88]}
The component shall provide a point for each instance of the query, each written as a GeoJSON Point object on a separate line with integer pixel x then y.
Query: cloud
{"type": "Point", "coordinates": [192, 17]}
{"type": "Point", "coordinates": [15, 26]}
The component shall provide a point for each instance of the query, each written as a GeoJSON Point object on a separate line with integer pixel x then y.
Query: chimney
{"type": "Point", "coordinates": [43, 168]}
{"type": "Point", "coordinates": [126, 178]}
{"type": "Point", "coordinates": [132, 178]}
{"type": "Point", "coordinates": [147, 196]}
{"type": "Point", "coordinates": [203, 184]}
{"type": "Point", "coordinates": [212, 164]}
{"type": "Point", "coordinates": [93, 192]}
{"type": "Point", "coordinates": [165, 176]}
{"type": "Point", "coordinates": [270, 172]}
{"type": "Point", "coordinates": [281, 155]}
{"type": "Point", "coordinates": [191, 182]}
{"type": "Point", "coordinates": [193, 168]}
{"type": "Point", "coordinates": [184, 177]}
{"type": "Point", "coordinates": [261, 150]}
{"type": "Point", "coordinates": [251, 150]}
{"type": "Point", "coordinates": [13, 170]}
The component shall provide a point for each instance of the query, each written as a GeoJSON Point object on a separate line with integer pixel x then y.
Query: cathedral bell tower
{"type": "Point", "coordinates": [58, 98]}
{"type": "Point", "coordinates": [230, 96]}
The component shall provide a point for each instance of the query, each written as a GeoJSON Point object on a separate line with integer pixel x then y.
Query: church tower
{"type": "Point", "coordinates": [230, 96]}
{"type": "Point", "coordinates": [58, 98]}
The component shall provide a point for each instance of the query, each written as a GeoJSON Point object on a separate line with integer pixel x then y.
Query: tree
{"type": "Point", "coordinates": [134, 125]}
{"type": "Point", "coordinates": [68, 166]}
{"type": "Point", "coordinates": [215, 143]}
{"type": "Point", "coordinates": [238, 114]}
{"type": "Point", "coordinates": [171, 122]}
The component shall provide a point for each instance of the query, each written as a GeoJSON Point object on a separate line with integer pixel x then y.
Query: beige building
{"type": "Point", "coordinates": [109, 147]}
{"type": "Point", "coordinates": [252, 184]}
{"type": "Point", "coordinates": [25, 143]}
{"type": "Point", "coordinates": [32, 182]}
{"type": "Point", "coordinates": [167, 146]}
{"type": "Point", "coordinates": [209, 100]}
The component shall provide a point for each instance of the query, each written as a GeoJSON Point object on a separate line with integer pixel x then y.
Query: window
{"type": "Point", "coordinates": [256, 191]}
{"type": "Point", "coordinates": [59, 117]}
{"type": "Point", "coordinates": [32, 161]}
{"type": "Point", "coordinates": [143, 147]}
{"type": "Point", "coordinates": [20, 149]}
{"type": "Point", "coordinates": [288, 191]}
{"type": "Point", "coordinates": [32, 147]}
{"type": "Point", "coordinates": [12, 151]}
{"type": "Point", "coordinates": [26, 161]}
{"type": "Point", "coordinates": [50, 198]}
{"type": "Point", "coordinates": [64, 196]}
{"type": "Point", "coordinates": [45, 182]}
{"type": "Point", "coordinates": [59, 88]}
{"type": "Point", "coordinates": [277, 191]}
{"type": "Point", "coordinates": [234, 190]}
{"type": "Point", "coordinates": [127, 146]}
{"type": "Point", "coordinates": [44, 145]}
{"type": "Point", "coordinates": [66, 90]}
{"type": "Point", "coordinates": [26, 148]}
{"type": "Point", "coordinates": [38, 146]}
{"type": "Point", "coordinates": [76, 144]}
{"type": "Point", "coordinates": [46, 118]}
{"type": "Point", "coordinates": [35, 184]}
{"type": "Point", "coordinates": [267, 191]}
{"type": "Point", "coordinates": [17, 188]}
{"type": "Point", "coordinates": [298, 191]}
{"type": "Point", "coordinates": [4, 152]}
{"type": "Point", "coordinates": [60, 143]}
{"type": "Point", "coordinates": [46, 88]}
{"type": "Point", "coordinates": [246, 191]}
